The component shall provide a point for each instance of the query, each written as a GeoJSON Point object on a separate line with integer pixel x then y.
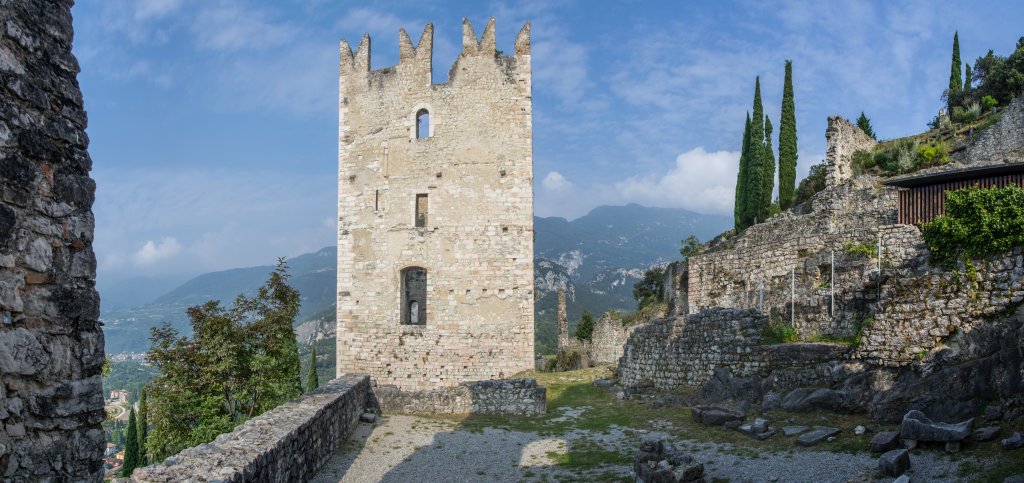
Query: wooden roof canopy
{"type": "Point", "coordinates": [965, 174]}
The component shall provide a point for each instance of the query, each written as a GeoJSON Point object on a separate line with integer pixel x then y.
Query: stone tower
{"type": "Point", "coordinates": [435, 214]}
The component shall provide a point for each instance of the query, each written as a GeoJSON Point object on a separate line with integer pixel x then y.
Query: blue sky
{"type": "Point", "coordinates": [214, 122]}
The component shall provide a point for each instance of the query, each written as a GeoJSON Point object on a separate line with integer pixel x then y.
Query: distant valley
{"type": "Point", "coordinates": [597, 257]}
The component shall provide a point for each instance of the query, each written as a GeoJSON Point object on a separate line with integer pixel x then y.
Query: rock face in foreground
{"type": "Point", "coordinates": [51, 344]}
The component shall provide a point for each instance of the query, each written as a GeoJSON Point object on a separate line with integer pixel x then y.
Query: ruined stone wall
{"type": "Point", "coordinates": [509, 396]}
{"type": "Point", "coordinates": [51, 343]}
{"type": "Point", "coordinates": [608, 340]}
{"type": "Point", "coordinates": [842, 139]}
{"type": "Point", "coordinates": [477, 243]}
{"type": "Point", "coordinates": [684, 351]}
{"type": "Point", "coordinates": [923, 305]}
{"type": "Point", "coordinates": [288, 443]}
{"type": "Point", "coordinates": [675, 286]}
{"type": "Point", "coordinates": [760, 267]}
{"type": "Point", "coordinates": [1002, 142]}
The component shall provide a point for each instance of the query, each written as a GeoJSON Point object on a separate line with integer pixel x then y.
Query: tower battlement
{"type": "Point", "coordinates": [435, 213]}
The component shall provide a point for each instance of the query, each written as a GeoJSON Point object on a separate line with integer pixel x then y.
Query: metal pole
{"type": "Point", "coordinates": [792, 298]}
{"type": "Point", "coordinates": [832, 285]}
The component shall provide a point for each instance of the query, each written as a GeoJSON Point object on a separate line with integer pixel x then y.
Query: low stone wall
{"type": "Point", "coordinates": [505, 396]}
{"type": "Point", "coordinates": [684, 351]}
{"type": "Point", "coordinates": [288, 443]}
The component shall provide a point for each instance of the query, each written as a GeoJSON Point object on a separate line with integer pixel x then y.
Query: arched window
{"type": "Point", "coordinates": [422, 124]}
{"type": "Point", "coordinates": [414, 295]}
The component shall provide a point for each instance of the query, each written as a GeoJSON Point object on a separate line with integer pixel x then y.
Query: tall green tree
{"type": "Point", "coordinates": [649, 289]}
{"type": "Point", "coordinates": [742, 181]}
{"type": "Point", "coordinates": [767, 174]}
{"type": "Point", "coordinates": [143, 426]}
{"type": "Point", "coordinates": [787, 143]}
{"type": "Point", "coordinates": [131, 446]}
{"type": "Point", "coordinates": [238, 363]}
{"type": "Point", "coordinates": [755, 153]}
{"type": "Point", "coordinates": [585, 329]}
{"type": "Point", "coordinates": [968, 80]}
{"type": "Point", "coordinates": [312, 379]}
{"type": "Point", "coordinates": [955, 80]}
{"type": "Point", "coordinates": [865, 125]}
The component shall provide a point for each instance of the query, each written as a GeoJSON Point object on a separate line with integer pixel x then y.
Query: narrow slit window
{"type": "Point", "coordinates": [422, 124]}
{"type": "Point", "coordinates": [421, 211]}
{"type": "Point", "coordinates": [414, 296]}
{"type": "Point", "coordinates": [376, 200]}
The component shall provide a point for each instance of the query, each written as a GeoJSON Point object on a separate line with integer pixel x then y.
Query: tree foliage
{"type": "Point", "coordinates": [865, 125]}
{"type": "Point", "coordinates": [691, 246]}
{"type": "Point", "coordinates": [755, 152]}
{"type": "Point", "coordinates": [813, 183]}
{"type": "Point", "coordinates": [978, 222]}
{"type": "Point", "coordinates": [312, 379]}
{"type": "Point", "coordinates": [955, 81]}
{"type": "Point", "coordinates": [131, 446]}
{"type": "Point", "coordinates": [767, 174]}
{"type": "Point", "coordinates": [143, 426]}
{"type": "Point", "coordinates": [787, 143]}
{"type": "Point", "coordinates": [649, 289]}
{"type": "Point", "coordinates": [239, 363]}
{"type": "Point", "coordinates": [742, 183]}
{"type": "Point", "coordinates": [585, 328]}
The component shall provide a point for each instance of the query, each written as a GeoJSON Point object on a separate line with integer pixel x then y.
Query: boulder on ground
{"type": "Point", "coordinates": [985, 434]}
{"type": "Point", "coordinates": [793, 430]}
{"type": "Point", "coordinates": [894, 463]}
{"type": "Point", "coordinates": [713, 415]}
{"type": "Point", "coordinates": [816, 435]}
{"type": "Point", "coordinates": [368, 417]}
{"type": "Point", "coordinates": [1015, 441]}
{"type": "Point", "coordinates": [885, 441]}
{"type": "Point", "coordinates": [918, 427]}
{"type": "Point", "coordinates": [661, 462]}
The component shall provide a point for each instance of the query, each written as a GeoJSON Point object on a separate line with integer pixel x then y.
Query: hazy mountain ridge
{"type": "Point", "coordinates": [597, 257]}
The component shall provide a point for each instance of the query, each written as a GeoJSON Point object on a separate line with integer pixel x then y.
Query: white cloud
{"type": "Point", "coordinates": [230, 26]}
{"type": "Point", "coordinates": [154, 9]}
{"type": "Point", "coordinates": [700, 181]}
{"type": "Point", "coordinates": [152, 252]}
{"type": "Point", "coordinates": [554, 182]}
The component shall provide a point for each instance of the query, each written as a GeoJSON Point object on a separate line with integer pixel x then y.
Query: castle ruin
{"type": "Point", "coordinates": [435, 214]}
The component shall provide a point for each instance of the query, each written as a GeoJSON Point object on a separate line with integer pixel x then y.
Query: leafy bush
{"type": "Point", "coordinates": [988, 102]}
{"type": "Point", "coordinates": [932, 154]}
{"type": "Point", "coordinates": [649, 290]}
{"type": "Point", "coordinates": [585, 328]}
{"type": "Point", "coordinates": [779, 333]}
{"type": "Point", "coordinates": [978, 222]}
{"type": "Point", "coordinates": [862, 162]}
{"type": "Point", "coordinates": [861, 249]}
{"type": "Point", "coordinates": [961, 115]}
{"type": "Point", "coordinates": [973, 110]}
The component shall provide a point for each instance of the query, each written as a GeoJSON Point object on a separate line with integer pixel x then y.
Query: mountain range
{"type": "Point", "coordinates": [597, 258]}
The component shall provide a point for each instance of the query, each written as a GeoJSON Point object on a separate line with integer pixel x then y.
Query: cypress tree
{"type": "Point", "coordinates": [767, 175]}
{"type": "Point", "coordinates": [143, 427]}
{"type": "Point", "coordinates": [131, 446]}
{"type": "Point", "coordinates": [787, 143]}
{"type": "Point", "coordinates": [741, 179]}
{"type": "Point", "coordinates": [967, 79]}
{"type": "Point", "coordinates": [312, 379]}
{"type": "Point", "coordinates": [755, 164]}
{"type": "Point", "coordinates": [955, 85]}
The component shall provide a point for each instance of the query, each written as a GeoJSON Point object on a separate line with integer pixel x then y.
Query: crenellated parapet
{"type": "Point", "coordinates": [414, 66]}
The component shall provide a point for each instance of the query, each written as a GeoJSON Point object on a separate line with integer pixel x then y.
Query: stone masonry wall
{"type": "Point", "coordinates": [760, 267]}
{"type": "Point", "coordinates": [842, 139]}
{"type": "Point", "coordinates": [1003, 142]}
{"type": "Point", "coordinates": [476, 169]}
{"type": "Point", "coordinates": [288, 443]}
{"type": "Point", "coordinates": [684, 351]}
{"type": "Point", "coordinates": [508, 396]}
{"type": "Point", "coordinates": [51, 343]}
{"type": "Point", "coordinates": [608, 340]}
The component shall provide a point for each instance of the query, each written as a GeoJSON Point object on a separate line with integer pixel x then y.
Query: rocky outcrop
{"type": "Point", "coordinates": [51, 343]}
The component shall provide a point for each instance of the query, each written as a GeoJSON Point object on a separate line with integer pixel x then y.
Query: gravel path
{"type": "Point", "coordinates": [414, 449]}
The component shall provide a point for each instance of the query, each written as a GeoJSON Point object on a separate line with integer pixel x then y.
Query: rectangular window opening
{"type": "Point", "coordinates": [421, 211]}
{"type": "Point", "coordinates": [376, 200]}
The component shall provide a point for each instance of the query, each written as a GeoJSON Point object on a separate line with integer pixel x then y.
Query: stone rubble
{"type": "Point", "coordinates": [816, 435]}
{"type": "Point", "coordinates": [658, 461]}
{"type": "Point", "coordinates": [918, 427]}
{"type": "Point", "coordinates": [894, 463]}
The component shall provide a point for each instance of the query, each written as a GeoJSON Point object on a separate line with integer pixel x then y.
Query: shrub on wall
{"type": "Point", "coordinates": [978, 222]}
